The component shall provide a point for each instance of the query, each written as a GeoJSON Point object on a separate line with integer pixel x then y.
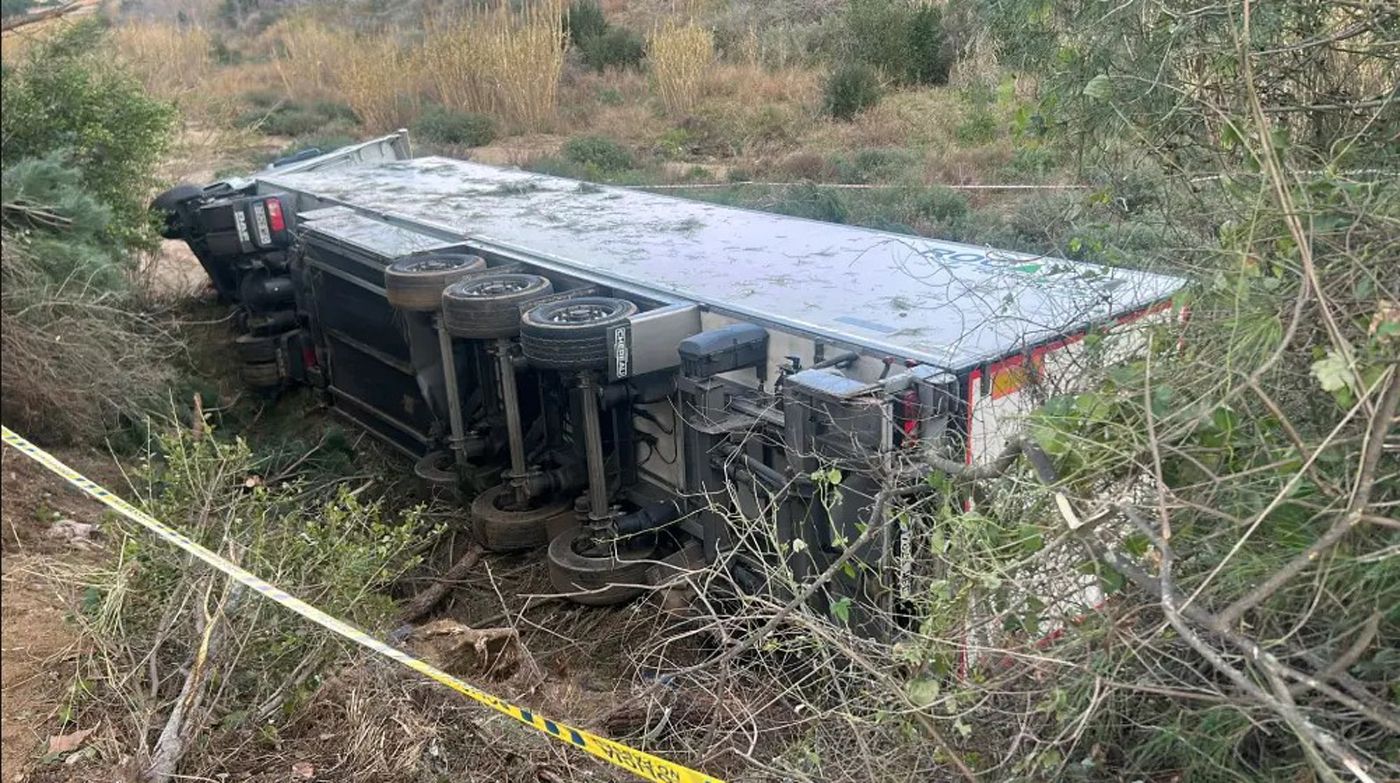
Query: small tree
{"type": "Point", "coordinates": [851, 89]}
{"type": "Point", "coordinates": [66, 97]}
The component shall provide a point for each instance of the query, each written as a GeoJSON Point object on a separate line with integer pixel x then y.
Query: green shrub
{"type": "Point", "coordinates": [276, 115]}
{"type": "Point", "coordinates": [907, 44]}
{"type": "Point", "coordinates": [445, 126]}
{"type": "Point", "coordinates": [64, 97]}
{"type": "Point", "coordinates": [874, 165]}
{"type": "Point", "coordinates": [811, 201]}
{"type": "Point", "coordinates": [618, 47]}
{"type": "Point", "coordinates": [674, 143]}
{"type": "Point", "coordinates": [598, 153]}
{"type": "Point", "coordinates": [774, 126]}
{"type": "Point", "coordinates": [944, 205]}
{"type": "Point", "coordinates": [714, 131]}
{"type": "Point", "coordinates": [585, 21]}
{"type": "Point", "coordinates": [850, 90]}
{"type": "Point", "coordinates": [979, 128]}
{"type": "Point", "coordinates": [930, 51]}
{"type": "Point", "coordinates": [1031, 160]}
{"type": "Point", "coordinates": [602, 45]}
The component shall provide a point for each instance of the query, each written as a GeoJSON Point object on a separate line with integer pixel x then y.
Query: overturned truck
{"type": "Point", "coordinates": [619, 376]}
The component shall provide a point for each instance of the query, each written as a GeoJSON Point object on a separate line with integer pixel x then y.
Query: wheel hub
{"type": "Point", "coordinates": [496, 288]}
{"type": "Point", "coordinates": [580, 314]}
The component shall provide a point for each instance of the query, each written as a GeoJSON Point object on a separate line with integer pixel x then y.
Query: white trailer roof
{"type": "Point", "coordinates": [944, 303]}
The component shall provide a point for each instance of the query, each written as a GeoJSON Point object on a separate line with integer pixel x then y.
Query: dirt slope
{"type": "Point", "coordinates": [39, 645]}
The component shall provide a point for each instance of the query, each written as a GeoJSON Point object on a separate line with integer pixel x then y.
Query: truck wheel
{"type": "Point", "coordinates": [572, 334]}
{"type": "Point", "coordinates": [504, 530]}
{"type": "Point", "coordinates": [167, 207]}
{"type": "Point", "coordinates": [261, 375]}
{"type": "Point", "coordinates": [597, 574]}
{"type": "Point", "coordinates": [488, 306]}
{"type": "Point", "coordinates": [437, 470]}
{"type": "Point", "coordinates": [252, 348]}
{"type": "Point", "coordinates": [416, 282]}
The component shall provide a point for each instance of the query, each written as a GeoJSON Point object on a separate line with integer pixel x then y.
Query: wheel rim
{"type": "Point", "coordinates": [585, 545]}
{"type": "Point", "coordinates": [573, 314]}
{"type": "Point", "coordinates": [503, 501]}
{"type": "Point", "coordinates": [504, 287]}
{"type": "Point", "coordinates": [434, 265]}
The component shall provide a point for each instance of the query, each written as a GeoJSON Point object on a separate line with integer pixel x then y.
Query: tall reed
{"type": "Point", "coordinates": [679, 56]}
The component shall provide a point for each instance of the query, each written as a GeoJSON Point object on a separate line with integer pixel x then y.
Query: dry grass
{"type": "Point", "coordinates": [455, 69]}
{"type": "Point", "coordinates": [526, 57]}
{"type": "Point", "coordinates": [497, 61]}
{"type": "Point", "coordinates": [680, 56]}
{"type": "Point", "coordinates": [374, 75]}
{"type": "Point", "coordinates": [305, 53]}
{"type": "Point", "coordinates": [78, 356]}
{"type": "Point", "coordinates": [172, 61]}
{"type": "Point", "coordinates": [978, 65]}
{"type": "Point", "coordinates": [927, 118]}
{"type": "Point", "coordinates": [751, 83]}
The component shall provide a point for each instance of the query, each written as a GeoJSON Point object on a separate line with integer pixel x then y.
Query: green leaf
{"type": "Point", "coordinates": [841, 610]}
{"type": "Point", "coordinates": [1100, 88]}
{"type": "Point", "coordinates": [1162, 399]}
{"type": "Point", "coordinates": [1112, 580]}
{"type": "Point", "coordinates": [1136, 544]}
{"type": "Point", "coordinates": [1031, 539]}
{"type": "Point", "coordinates": [922, 692]}
{"type": "Point", "coordinates": [1333, 373]}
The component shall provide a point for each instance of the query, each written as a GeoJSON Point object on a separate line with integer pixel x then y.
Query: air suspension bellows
{"type": "Point", "coordinates": [649, 517]}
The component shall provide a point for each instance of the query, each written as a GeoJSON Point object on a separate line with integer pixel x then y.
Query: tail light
{"type": "Point", "coordinates": [275, 220]}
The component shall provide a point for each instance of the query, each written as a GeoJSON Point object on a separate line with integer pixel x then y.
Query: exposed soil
{"type": "Point", "coordinates": [39, 645]}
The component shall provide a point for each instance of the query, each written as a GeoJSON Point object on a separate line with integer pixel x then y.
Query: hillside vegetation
{"type": "Point", "coordinates": [1234, 491]}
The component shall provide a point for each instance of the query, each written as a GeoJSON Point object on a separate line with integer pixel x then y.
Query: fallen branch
{"type": "Point", "coordinates": [172, 743]}
{"type": "Point", "coordinates": [429, 598]}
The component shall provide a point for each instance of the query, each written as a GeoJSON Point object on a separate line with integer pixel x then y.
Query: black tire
{"type": "Point", "coordinates": [252, 348]}
{"type": "Point", "coordinates": [572, 334]}
{"type": "Point", "coordinates": [261, 375]}
{"type": "Point", "coordinates": [487, 306]}
{"type": "Point", "coordinates": [598, 576]}
{"type": "Point", "coordinates": [436, 467]}
{"type": "Point", "coordinates": [504, 530]}
{"type": "Point", "coordinates": [167, 206]}
{"type": "Point", "coordinates": [415, 283]}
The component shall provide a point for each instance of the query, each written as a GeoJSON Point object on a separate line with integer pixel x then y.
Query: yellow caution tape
{"type": "Point", "coordinates": [642, 764]}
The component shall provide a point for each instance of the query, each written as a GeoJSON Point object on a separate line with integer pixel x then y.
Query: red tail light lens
{"type": "Point", "coordinates": [275, 220]}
